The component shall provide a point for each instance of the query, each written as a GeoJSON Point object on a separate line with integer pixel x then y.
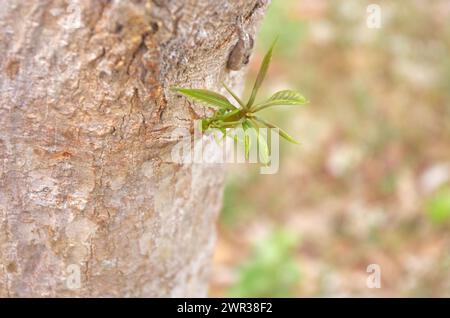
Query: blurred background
{"type": "Point", "coordinates": [370, 181]}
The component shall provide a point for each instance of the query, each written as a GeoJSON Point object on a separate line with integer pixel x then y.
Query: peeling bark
{"type": "Point", "coordinates": [86, 118]}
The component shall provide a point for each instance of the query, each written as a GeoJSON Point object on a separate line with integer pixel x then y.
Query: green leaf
{"type": "Point", "coordinates": [262, 143]}
{"type": "Point", "coordinates": [263, 149]}
{"type": "Point", "coordinates": [229, 114]}
{"type": "Point", "coordinates": [219, 139]}
{"type": "Point", "coordinates": [438, 206]}
{"type": "Point", "coordinates": [240, 102]}
{"type": "Point", "coordinates": [247, 124]}
{"type": "Point", "coordinates": [285, 97]}
{"type": "Point", "coordinates": [227, 124]}
{"type": "Point", "coordinates": [247, 143]}
{"type": "Point", "coordinates": [272, 269]}
{"type": "Point", "coordinates": [209, 97]}
{"type": "Point", "coordinates": [204, 124]}
{"type": "Point", "coordinates": [261, 74]}
{"type": "Point", "coordinates": [281, 132]}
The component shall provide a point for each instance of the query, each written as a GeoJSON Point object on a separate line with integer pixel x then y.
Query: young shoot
{"type": "Point", "coordinates": [244, 114]}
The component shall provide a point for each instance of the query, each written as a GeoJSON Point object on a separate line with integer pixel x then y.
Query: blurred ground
{"type": "Point", "coordinates": [370, 182]}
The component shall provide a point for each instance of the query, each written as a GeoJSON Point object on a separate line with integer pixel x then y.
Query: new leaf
{"type": "Point", "coordinates": [206, 96]}
{"type": "Point", "coordinates": [261, 74]}
{"type": "Point", "coordinates": [285, 97]}
{"type": "Point", "coordinates": [281, 132]}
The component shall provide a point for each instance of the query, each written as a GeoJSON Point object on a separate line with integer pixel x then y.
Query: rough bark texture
{"type": "Point", "coordinates": [86, 117]}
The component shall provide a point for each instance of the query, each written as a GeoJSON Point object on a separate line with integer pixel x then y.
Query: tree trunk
{"type": "Point", "coordinates": [90, 202]}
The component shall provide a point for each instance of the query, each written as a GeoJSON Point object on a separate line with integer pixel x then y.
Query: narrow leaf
{"type": "Point", "coordinates": [204, 124]}
{"type": "Point", "coordinates": [230, 124]}
{"type": "Point", "coordinates": [263, 149]}
{"type": "Point", "coordinates": [261, 74]}
{"type": "Point", "coordinates": [240, 102]}
{"type": "Point", "coordinates": [209, 97]}
{"type": "Point", "coordinates": [281, 132]}
{"type": "Point", "coordinates": [285, 97]}
{"type": "Point", "coordinates": [262, 143]}
{"type": "Point", "coordinates": [247, 124]}
{"type": "Point", "coordinates": [247, 143]}
{"type": "Point", "coordinates": [228, 115]}
{"type": "Point", "coordinates": [219, 139]}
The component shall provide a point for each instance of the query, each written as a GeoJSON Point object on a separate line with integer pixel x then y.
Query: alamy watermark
{"type": "Point", "coordinates": [73, 278]}
{"type": "Point", "coordinates": [373, 20]}
{"type": "Point", "coordinates": [232, 145]}
{"type": "Point", "coordinates": [374, 278]}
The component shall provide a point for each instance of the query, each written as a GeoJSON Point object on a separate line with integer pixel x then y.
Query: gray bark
{"type": "Point", "coordinates": [86, 117]}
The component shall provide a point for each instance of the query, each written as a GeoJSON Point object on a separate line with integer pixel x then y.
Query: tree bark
{"type": "Point", "coordinates": [86, 182]}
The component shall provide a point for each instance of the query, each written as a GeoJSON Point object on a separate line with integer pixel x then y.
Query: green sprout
{"type": "Point", "coordinates": [231, 116]}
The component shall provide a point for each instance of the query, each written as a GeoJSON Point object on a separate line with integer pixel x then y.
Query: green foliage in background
{"type": "Point", "coordinates": [272, 270]}
{"type": "Point", "coordinates": [438, 206]}
{"type": "Point", "coordinates": [235, 203]}
{"type": "Point", "coordinates": [281, 21]}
